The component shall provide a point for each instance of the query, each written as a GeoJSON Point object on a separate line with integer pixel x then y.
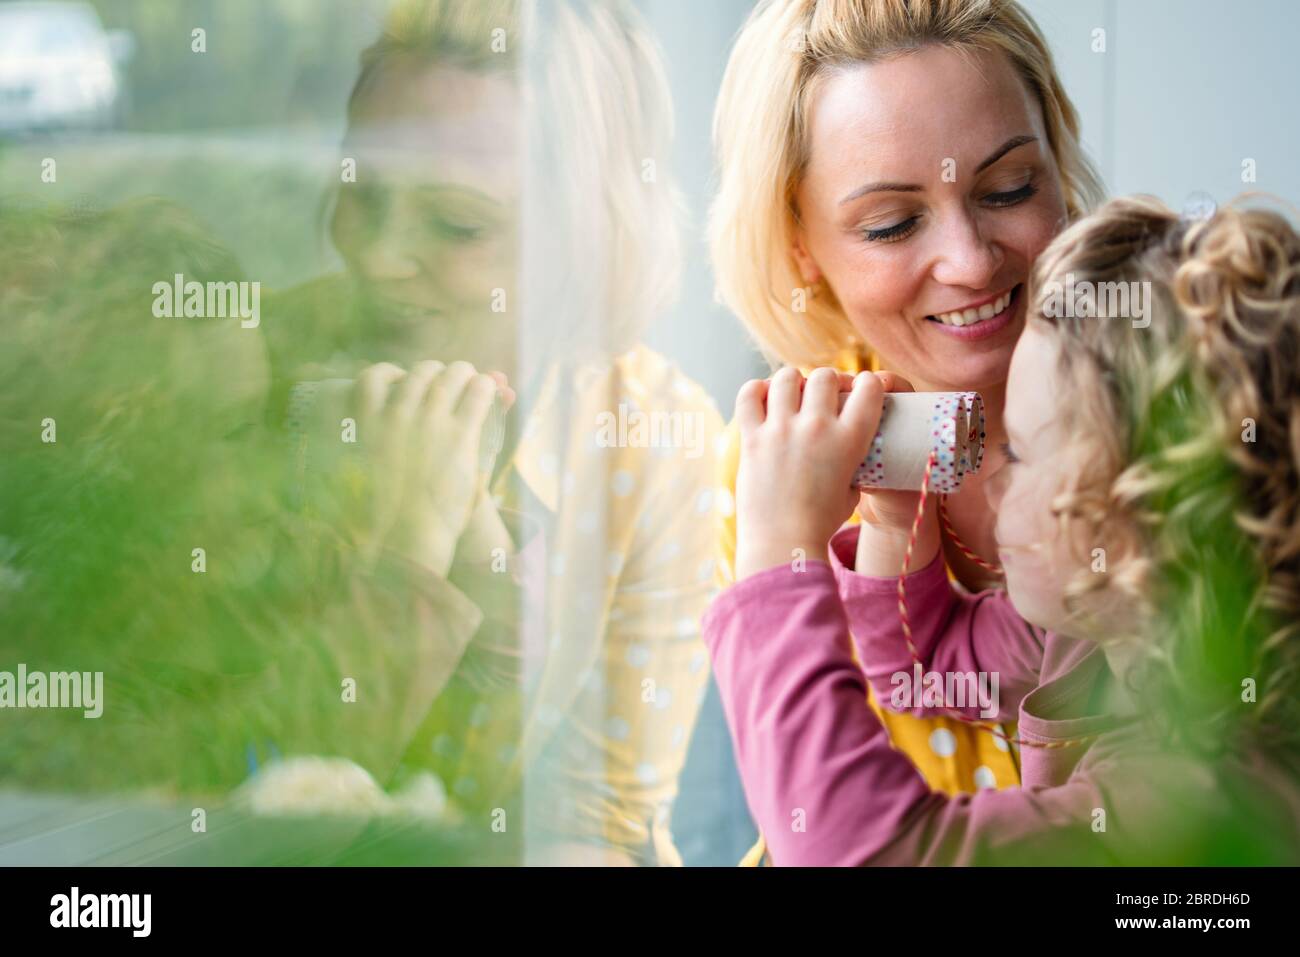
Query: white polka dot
{"type": "Point", "coordinates": [670, 551]}
{"type": "Point", "coordinates": [697, 662]}
{"type": "Point", "coordinates": [679, 735]}
{"type": "Point", "coordinates": [441, 745]}
{"type": "Point", "coordinates": [706, 570]}
{"type": "Point", "coordinates": [985, 778]}
{"type": "Point", "coordinates": [638, 655]}
{"type": "Point", "coordinates": [726, 504]}
{"type": "Point", "coordinates": [479, 715]}
{"type": "Point", "coordinates": [617, 728]}
{"type": "Point", "coordinates": [622, 483]}
{"type": "Point", "coordinates": [548, 463]}
{"type": "Point", "coordinates": [943, 743]}
{"type": "Point", "coordinates": [557, 564]}
{"type": "Point", "coordinates": [587, 521]}
{"type": "Point", "coordinates": [570, 480]}
{"type": "Point", "coordinates": [720, 444]}
{"type": "Point", "coordinates": [615, 561]}
{"type": "Point", "coordinates": [585, 602]}
{"type": "Point", "coordinates": [647, 773]}
{"type": "Point", "coordinates": [548, 715]}
{"type": "Point", "coordinates": [999, 741]}
{"type": "Point", "coordinates": [663, 699]}
{"type": "Point", "coordinates": [465, 787]}
{"type": "Point", "coordinates": [704, 501]}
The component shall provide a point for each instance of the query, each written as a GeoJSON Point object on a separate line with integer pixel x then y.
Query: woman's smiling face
{"type": "Point", "coordinates": [930, 189]}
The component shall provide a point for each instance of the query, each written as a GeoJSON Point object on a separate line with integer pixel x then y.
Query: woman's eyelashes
{"type": "Point", "coordinates": [1010, 455]}
{"type": "Point", "coordinates": [893, 233]}
{"type": "Point", "coordinates": [901, 230]}
{"type": "Point", "coordinates": [1012, 197]}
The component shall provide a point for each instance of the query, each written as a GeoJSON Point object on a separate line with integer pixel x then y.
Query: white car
{"type": "Point", "coordinates": [59, 68]}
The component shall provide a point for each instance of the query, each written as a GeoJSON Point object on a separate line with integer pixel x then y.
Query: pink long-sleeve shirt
{"type": "Point", "coordinates": [826, 787]}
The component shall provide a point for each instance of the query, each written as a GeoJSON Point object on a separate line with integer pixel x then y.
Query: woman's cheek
{"type": "Point", "coordinates": [878, 293]}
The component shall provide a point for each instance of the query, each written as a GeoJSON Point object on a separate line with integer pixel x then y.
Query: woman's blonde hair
{"type": "Point", "coordinates": [1184, 463]}
{"type": "Point", "coordinates": [760, 137]}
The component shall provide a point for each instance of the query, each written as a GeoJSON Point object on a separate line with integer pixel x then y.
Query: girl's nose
{"type": "Point", "coordinates": [996, 487]}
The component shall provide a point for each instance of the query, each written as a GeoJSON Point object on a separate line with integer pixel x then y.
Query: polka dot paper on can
{"type": "Point", "coordinates": [916, 425]}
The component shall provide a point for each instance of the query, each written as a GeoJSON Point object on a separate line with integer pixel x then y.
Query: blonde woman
{"type": "Point", "coordinates": [888, 173]}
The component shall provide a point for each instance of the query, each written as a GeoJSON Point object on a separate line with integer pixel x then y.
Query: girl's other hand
{"type": "Point", "coordinates": [798, 452]}
{"type": "Point", "coordinates": [888, 516]}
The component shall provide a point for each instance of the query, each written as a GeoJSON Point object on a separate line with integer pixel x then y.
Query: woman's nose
{"type": "Point", "coordinates": [966, 258]}
{"type": "Point", "coordinates": [389, 257]}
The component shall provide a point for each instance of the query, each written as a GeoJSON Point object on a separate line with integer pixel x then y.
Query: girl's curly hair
{"type": "Point", "coordinates": [1185, 421]}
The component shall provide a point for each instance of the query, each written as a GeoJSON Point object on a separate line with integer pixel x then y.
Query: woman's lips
{"type": "Point", "coordinates": [986, 327]}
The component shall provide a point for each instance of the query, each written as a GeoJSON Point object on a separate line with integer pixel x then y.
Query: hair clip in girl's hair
{"type": "Point", "coordinates": [1198, 206]}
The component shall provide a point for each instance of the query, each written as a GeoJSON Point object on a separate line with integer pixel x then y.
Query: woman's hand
{"type": "Point", "coordinates": [798, 453]}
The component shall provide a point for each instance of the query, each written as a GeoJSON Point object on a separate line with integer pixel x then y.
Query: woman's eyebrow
{"type": "Point", "coordinates": [880, 188]}
{"type": "Point", "coordinates": [997, 154]}
{"type": "Point", "coordinates": [1004, 149]}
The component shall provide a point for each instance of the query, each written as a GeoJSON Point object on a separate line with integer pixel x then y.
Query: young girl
{"type": "Point", "coordinates": [1147, 525]}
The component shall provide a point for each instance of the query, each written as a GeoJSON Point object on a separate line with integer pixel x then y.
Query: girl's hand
{"type": "Point", "coordinates": [797, 456]}
{"type": "Point", "coordinates": [413, 476]}
{"type": "Point", "coordinates": [486, 532]}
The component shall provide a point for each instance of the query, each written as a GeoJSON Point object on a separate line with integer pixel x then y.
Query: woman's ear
{"type": "Point", "coordinates": [803, 259]}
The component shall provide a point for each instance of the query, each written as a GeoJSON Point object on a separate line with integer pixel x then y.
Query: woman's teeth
{"type": "Point", "coordinates": [968, 317]}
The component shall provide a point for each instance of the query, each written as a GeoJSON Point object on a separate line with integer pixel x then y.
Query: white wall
{"type": "Point", "coordinates": [1185, 91]}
